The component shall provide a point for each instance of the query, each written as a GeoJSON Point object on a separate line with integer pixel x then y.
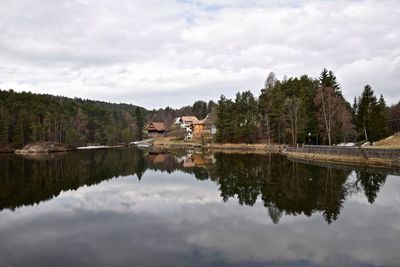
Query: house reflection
{"type": "Point", "coordinates": [157, 158]}
{"type": "Point", "coordinates": [196, 159]}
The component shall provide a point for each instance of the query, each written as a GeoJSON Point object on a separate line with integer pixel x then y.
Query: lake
{"type": "Point", "coordinates": [128, 207]}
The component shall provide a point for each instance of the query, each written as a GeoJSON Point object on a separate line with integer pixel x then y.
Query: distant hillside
{"type": "Point", "coordinates": [28, 117]}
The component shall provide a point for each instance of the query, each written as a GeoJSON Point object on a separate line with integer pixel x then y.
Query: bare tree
{"type": "Point", "coordinates": [331, 111]}
{"type": "Point", "coordinates": [270, 81]}
{"type": "Point", "coordinates": [293, 107]}
{"type": "Point", "coordinates": [347, 128]}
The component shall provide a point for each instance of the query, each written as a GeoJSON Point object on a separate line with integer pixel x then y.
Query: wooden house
{"type": "Point", "coordinates": [156, 129]}
{"type": "Point", "coordinates": [204, 127]}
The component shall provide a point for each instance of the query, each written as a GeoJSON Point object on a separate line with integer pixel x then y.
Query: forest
{"type": "Point", "coordinates": [27, 117]}
{"type": "Point", "coordinates": [305, 110]}
{"type": "Point", "coordinates": [293, 111]}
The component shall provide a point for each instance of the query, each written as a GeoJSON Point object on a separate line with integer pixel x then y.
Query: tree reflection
{"type": "Point", "coordinates": [273, 211]}
{"type": "Point", "coordinates": [282, 186]}
{"type": "Point", "coordinates": [371, 184]}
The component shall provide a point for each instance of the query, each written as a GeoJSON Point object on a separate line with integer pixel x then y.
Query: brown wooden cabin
{"type": "Point", "coordinates": [156, 129]}
{"type": "Point", "coordinates": [203, 127]}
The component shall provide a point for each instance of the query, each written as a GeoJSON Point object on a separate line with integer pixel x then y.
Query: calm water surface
{"type": "Point", "coordinates": [126, 207]}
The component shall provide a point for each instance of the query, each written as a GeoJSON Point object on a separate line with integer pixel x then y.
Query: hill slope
{"type": "Point", "coordinates": [28, 117]}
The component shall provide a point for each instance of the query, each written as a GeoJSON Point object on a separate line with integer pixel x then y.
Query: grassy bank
{"type": "Point", "coordinates": [343, 159]}
{"type": "Point", "coordinates": [390, 142]}
{"type": "Point", "coordinates": [168, 142]}
{"type": "Point", "coordinates": [244, 147]}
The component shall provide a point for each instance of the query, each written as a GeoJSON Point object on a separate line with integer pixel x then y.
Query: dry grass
{"type": "Point", "coordinates": [249, 147]}
{"type": "Point", "coordinates": [390, 142]}
{"type": "Point", "coordinates": [348, 160]}
{"type": "Point", "coordinates": [173, 142]}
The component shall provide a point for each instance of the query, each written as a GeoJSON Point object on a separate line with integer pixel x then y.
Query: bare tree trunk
{"type": "Point", "coordinates": [326, 118]}
{"type": "Point", "coordinates": [268, 135]}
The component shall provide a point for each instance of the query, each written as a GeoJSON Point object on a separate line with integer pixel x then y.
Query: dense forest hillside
{"type": "Point", "coordinates": [28, 117]}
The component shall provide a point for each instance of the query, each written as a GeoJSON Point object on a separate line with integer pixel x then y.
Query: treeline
{"type": "Point", "coordinates": [302, 110]}
{"type": "Point", "coordinates": [394, 117]}
{"type": "Point", "coordinates": [27, 117]}
{"type": "Point", "coordinates": [200, 109]}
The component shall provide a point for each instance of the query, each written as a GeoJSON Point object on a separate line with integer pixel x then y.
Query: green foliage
{"type": "Point", "coordinates": [200, 109]}
{"type": "Point", "coordinates": [27, 117]}
{"type": "Point", "coordinates": [301, 110]}
{"type": "Point", "coordinates": [177, 131]}
{"type": "Point", "coordinates": [328, 79]}
{"type": "Point", "coordinates": [226, 121]}
{"type": "Point", "coordinates": [237, 121]}
{"type": "Point", "coordinates": [273, 106]}
{"type": "Point", "coordinates": [371, 116]}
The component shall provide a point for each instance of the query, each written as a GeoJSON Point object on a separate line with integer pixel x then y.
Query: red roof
{"type": "Point", "coordinates": [191, 119]}
{"type": "Point", "coordinates": [158, 126]}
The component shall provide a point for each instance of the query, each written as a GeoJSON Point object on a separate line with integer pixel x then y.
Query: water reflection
{"type": "Point", "coordinates": [284, 187]}
{"type": "Point", "coordinates": [127, 207]}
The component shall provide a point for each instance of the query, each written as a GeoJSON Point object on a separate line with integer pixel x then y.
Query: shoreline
{"type": "Point", "coordinates": [259, 148]}
{"type": "Point", "coordinates": [98, 147]}
{"type": "Point", "coordinates": [244, 147]}
{"type": "Point", "coordinates": [343, 159]}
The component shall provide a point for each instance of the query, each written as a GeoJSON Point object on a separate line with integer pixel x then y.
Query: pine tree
{"type": "Point", "coordinates": [4, 125]}
{"type": "Point", "coordinates": [139, 123]}
{"type": "Point", "coordinates": [380, 121]}
{"type": "Point", "coordinates": [372, 116]}
{"type": "Point", "coordinates": [226, 121]}
{"type": "Point", "coordinates": [328, 79]}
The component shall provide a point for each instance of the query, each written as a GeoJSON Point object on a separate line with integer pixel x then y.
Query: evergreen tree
{"type": "Point", "coordinates": [225, 122]}
{"type": "Point", "coordinates": [371, 117]}
{"type": "Point", "coordinates": [328, 79]}
{"type": "Point", "coordinates": [60, 119]}
{"type": "Point", "coordinates": [139, 123]}
{"type": "Point", "coordinates": [246, 118]}
{"type": "Point", "coordinates": [4, 125]}
{"type": "Point", "coordinates": [380, 121]}
{"type": "Point", "coordinates": [200, 109]}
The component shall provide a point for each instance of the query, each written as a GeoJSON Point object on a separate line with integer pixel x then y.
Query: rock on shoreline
{"type": "Point", "coordinates": [44, 147]}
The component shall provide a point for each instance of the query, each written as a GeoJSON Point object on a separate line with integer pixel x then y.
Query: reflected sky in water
{"type": "Point", "coordinates": [171, 218]}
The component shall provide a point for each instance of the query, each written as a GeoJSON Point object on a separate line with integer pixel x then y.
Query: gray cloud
{"type": "Point", "coordinates": [181, 51]}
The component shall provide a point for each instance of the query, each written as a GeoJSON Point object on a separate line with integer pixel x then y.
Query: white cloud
{"type": "Point", "coordinates": [175, 52]}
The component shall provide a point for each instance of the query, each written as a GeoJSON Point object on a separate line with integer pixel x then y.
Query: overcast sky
{"type": "Point", "coordinates": [156, 53]}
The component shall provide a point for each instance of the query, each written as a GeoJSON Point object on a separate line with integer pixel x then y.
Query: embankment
{"type": "Point", "coordinates": [257, 148]}
{"type": "Point", "coordinates": [346, 155]}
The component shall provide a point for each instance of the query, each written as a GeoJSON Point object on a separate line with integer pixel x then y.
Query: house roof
{"type": "Point", "coordinates": [158, 126]}
{"type": "Point", "coordinates": [191, 119]}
